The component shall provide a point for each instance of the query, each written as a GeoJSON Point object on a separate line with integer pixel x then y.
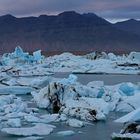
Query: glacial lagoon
{"type": "Point", "coordinates": [101, 130]}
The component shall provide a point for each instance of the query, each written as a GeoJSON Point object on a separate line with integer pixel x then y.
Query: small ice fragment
{"type": "Point", "coordinates": [31, 138]}
{"type": "Point", "coordinates": [130, 117]}
{"type": "Point", "coordinates": [75, 123]}
{"type": "Point", "coordinates": [66, 133]}
{"type": "Point", "coordinates": [14, 122]}
{"type": "Point", "coordinates": [39, 129]}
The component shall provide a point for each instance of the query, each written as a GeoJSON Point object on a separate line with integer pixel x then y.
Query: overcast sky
{"type": "Point", "coordinates": [109, 9]}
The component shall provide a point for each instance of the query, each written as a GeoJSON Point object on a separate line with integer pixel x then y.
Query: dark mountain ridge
{"type": "Point", "coordinates": [67, 31]}
{"type": "Point", "coordinates": [130, 25]}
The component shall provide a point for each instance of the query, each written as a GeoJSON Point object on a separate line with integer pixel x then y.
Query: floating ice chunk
{"type": "Point", "coordinates": [95, 84]}
{"type": "Point", "coordinates": [6, 99]}
{"type": "Point", "coordinates": [134, 55]}
{"type": "Point", "coordinates": [31, 138]}
{"type": "Point", "coordinates": [41, 98]}
{"type": "Point", "coordinates": [129, 103]}
{"type": "Point", "coordinates": [17, 106]}
{"type": "Point", "coordinates": [15, 115]}
{"type": "Point", "coordinates": [130, 117]}
{"type": "Point", "coordinates": [75, 123]}
{"type": "Point", "coordinates": [100, 116]}
{"type": "Point", "coordinates": [37, 56]}
{"type": "Point", "coordinates": [91, 103]}
{"type": "Point", "coordinates": [14, 122]}
{"type": "Point", "coordinates": [112, 56]}
{"type": "Point", "coordinates": [32, 119]}
{"type": "Point", "coordinates": [42, 119]}
{"type": "Point", "coordinates": [66, 133]}
{"type": "Point", "coordinates": [18, 52]}
{"type": "Point", "coordinates": [50, 117]}
{"type": "Point", "coordinates": [70, 80]}
{"type": "Point", "coordinates": [20, 57]}
{"type": "Point", "coordinates": [127, 89]}
{"type": "Point", "coordinates": [84, 110]}
{"type": "Point", "coordinates": [38, 129]}
{"type": "Point", "coordinates": [41, 83]}
{"type": "Point", "coordinates": [126, 136]}
{"type": "Point", "coordinates": [15, 90]}
{"type": "Point", "coordinates": [63, 117]}
{"type": "Point", "coordinates": [91, 56]}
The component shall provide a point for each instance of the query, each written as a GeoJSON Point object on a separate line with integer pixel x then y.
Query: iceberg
{"type": "Point", "coordinates": [130, 117]}
{"type": "Point", "coordinates": [18, 52]}
{"type": "Point", "coordinates": [126, 136]}
{"type": "Point", "coordinates": [74, 123]}
{"type": "Point", "coordinates": [14, 122]}
{"type": "Point", "coordinates": [127, 89]}
{"type": "Point", "coordinates": [128, 104]}
{"type": "Point", "coordinates": [37, 57]}
{"type": "Point", "coordinates": [134, 56]}
{"type": "Point", "coordinates": [73, 99]}
{"type": "Point", "coordinates": [70, 80]}
{"type": "Point", "coordinates": [91, 63]}
{"type": "Point", "coordinates": [130, 131]}
{"type": "Point", "coordinates": [42, 119]}
{"type": "Point", "coordinates": [21, 57]}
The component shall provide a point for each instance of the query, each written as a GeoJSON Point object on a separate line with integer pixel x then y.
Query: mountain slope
{"type": "Point", "coordinates": [68, 31]}
{"type": "Point", "coordinates": [131, 25]}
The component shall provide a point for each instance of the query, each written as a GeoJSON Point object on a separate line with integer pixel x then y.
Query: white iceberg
{"type": "Point", "coordinates": [38, 58]}
{"type": "Point", "coordinates": [134, 56]}
{"type": "Point", "coordinates": [47, 118]}
{"type": "Point", "coordinates": [130, 117]}
{"type": "Point", "coordinates": [74, 123]}
{"type": "Point", "coordinates": [14, 122]}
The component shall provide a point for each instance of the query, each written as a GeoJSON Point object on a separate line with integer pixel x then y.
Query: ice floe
{"type": "Point", "coordinates": [31, 138]}
{"type": "Point", "coordinates": [130, 131]}
{"type": "Point", "coordinates": [66, 133]}
{"type": "Point", "coordinates": [14, 122]}
{"type": "Point", "coordinates": [134, 56]}
{"type": "Point", "coordinates": [39, 129]}
{"type": "Point", "coordinates": [74, 123]}
{"type": "Point", "coordinates": [109, 63]}
{"type": "Point", "coordinates": [15, 90]}
{"type": "Point", "coordinates": [132, 116]}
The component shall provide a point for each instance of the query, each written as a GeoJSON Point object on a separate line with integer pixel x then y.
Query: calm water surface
{"type": "Point", "coordinates": [108, 79]}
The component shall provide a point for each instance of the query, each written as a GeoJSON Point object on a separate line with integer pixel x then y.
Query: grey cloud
{"type": "Point", "coordinates": [106, 8]}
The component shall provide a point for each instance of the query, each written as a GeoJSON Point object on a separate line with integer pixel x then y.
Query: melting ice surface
{"type": "Point", "coordinates": [66, 99]}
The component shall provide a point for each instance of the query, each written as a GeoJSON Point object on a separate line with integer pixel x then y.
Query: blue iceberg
{"type": "Point", "coordinates": [21, 57]}
{"type": "Point", "coordinates": [126, 89]}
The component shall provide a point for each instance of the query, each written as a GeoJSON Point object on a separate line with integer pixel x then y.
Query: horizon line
{"type": "Point", "coordinates": [111, 20]}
